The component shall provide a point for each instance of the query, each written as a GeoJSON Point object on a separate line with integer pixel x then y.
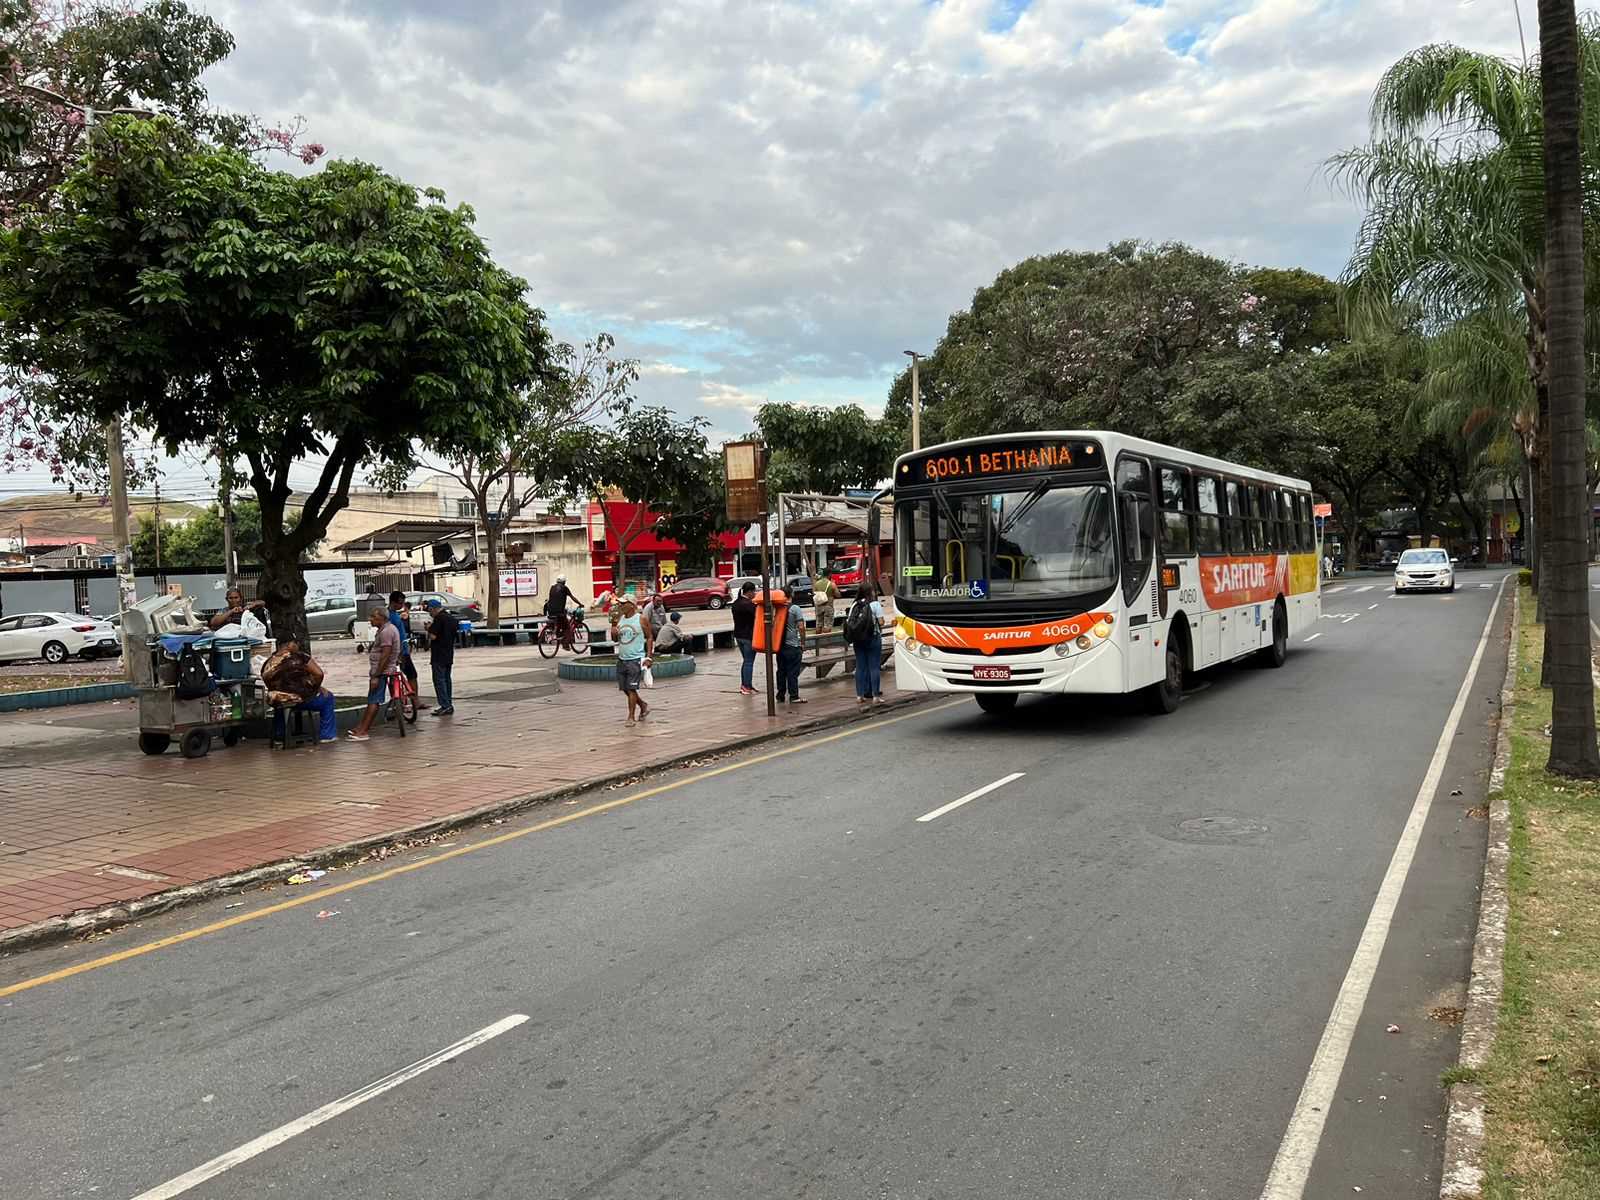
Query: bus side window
{"type": "Point", "coordinates": [1208, 515]}
{"type": "Point", "coordinates": [1235, 534]}
{"type": "Point", "coordinates": [1177, 531]}
{"type": "Point", "coordinates": [1307, 534]}
{"type": "Point", "coordinates": [1286, 528]}
{"type": "Point", "coordinates": [1260, 520]}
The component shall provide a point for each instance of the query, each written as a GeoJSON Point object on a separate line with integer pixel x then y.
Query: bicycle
{"type": "Point", "coordinates": [577, 639]}
{"type": "Point", "coordinates": [401, 707]}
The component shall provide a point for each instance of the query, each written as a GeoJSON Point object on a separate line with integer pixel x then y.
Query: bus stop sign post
{"type": "Point", "coordinates": [744, 469]}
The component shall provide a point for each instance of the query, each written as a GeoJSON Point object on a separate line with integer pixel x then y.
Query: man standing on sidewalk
{"type": "Point", "coordinates": [383, 659]}
{"type": "Point", "coordinates": [744, 636]}
{"type": "Point", "coordinates": [400, 618]}
{"type": "Point", "coordinates": [791, 643]}
{"type": "Point", "coordinates": [823, 594]}
{"type": "Point", "coordinates": [631, 634]}
{"type": "Point", "coordinates": [442, 626]}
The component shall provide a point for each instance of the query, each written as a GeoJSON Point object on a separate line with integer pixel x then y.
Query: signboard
{"type": "Point", "coordinates": [1322, 510]}
{"type": "Point", "coordinates": [744, 472]}
{"type": "Point", "coordinates": [669, 571]}
{"type": "Point", "coordinates": [522, 582]}
{"type": "Point", "coordinates": [1013, 456]}
{"type": "Point", "coordinates": [340, 581]}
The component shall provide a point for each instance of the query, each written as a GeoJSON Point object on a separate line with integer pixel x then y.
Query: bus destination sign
{"type": "Point", "coordinates": [1023, 456]}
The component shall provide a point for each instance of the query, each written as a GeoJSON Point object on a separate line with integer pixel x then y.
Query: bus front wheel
{"type": "Point", "coordinates": [1164, 697]}
{"type": "Point", "coordinates": [997, 704]}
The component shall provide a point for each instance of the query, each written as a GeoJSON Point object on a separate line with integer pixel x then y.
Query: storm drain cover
{"type": "Point", "coordinates": [1218, 829]}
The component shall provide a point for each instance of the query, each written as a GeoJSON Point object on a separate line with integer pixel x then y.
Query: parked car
{"type": "Point", "coordinates": [697, 591]}
{"type": "Point", "coordinates": [457, 606]}
{"type": "Point", "coordinates": [330, 616]}
{"type": "Point", "coordinates": [1421, 570]}
{"type": "Point", "coordinates": [55, 637]}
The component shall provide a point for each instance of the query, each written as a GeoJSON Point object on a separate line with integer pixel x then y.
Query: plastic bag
{"type": "Point", "coordinates": [649, 678]}
{"type": "Point", "coordinates": [231, 630]}
{"type": "Point", "coordinates": [253, 626]}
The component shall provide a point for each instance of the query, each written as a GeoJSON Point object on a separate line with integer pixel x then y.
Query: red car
{"type": "Point", "coordinates": [700, 591]}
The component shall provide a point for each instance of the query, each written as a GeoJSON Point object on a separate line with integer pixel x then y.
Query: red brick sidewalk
{"type": "Point", "coordinates": [108, 825]}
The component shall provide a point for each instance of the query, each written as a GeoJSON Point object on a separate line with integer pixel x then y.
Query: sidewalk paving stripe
{"type": "Point", "coordinates": [319, 895]}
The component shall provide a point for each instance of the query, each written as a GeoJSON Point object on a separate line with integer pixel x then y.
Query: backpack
{"type": "Point", "coordinates": [859, 625]}
{"type": "Point", "coordinates": [194, 676]}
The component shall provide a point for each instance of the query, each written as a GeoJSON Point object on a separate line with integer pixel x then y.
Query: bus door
{"type": "Point", "coordinates": [1136, 520]}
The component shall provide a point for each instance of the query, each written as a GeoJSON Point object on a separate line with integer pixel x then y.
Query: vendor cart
{"type": "Point", "coordinates": [153, 631]}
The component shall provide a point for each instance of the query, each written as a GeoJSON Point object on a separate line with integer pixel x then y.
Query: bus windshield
{"type": "Point", "coordinates": [1042, 541]}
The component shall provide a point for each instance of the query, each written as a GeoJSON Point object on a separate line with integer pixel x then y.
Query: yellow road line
{"type": "Point", "coordinates": [321, 894]}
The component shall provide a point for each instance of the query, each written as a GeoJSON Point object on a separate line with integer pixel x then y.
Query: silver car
{"type": "Point", "coordinates": [331, 616]}
{"type": "Point", "coordinates": [1425, 570]}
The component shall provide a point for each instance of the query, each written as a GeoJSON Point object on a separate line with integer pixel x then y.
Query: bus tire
{"type": "Point", "coordinates": [1277, 654]}
{"type": "Point", "coordinates": [997, 704]}
{"type": "Point", "coordinates": [1164, 697]}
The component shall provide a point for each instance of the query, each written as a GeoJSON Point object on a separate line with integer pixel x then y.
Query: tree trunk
{"type": "Point", "coordinates": [491, 549]}
{"type": "Point", "coordinates": [283, 584]}
{"type": "Point", "coordinates": [1573, 748]}
{"type": "Point", "coordinates": [1545, 526]}
{"type": "Point", "coordinates": [1525, 518]}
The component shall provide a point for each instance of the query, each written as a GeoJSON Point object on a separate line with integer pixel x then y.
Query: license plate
{"type": "Point", "coordinates": [991, 673]}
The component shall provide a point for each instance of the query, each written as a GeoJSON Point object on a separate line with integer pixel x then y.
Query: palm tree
{"type": "Point", "coordinates": [1573, 748]}
{"type": "Point", "coordinates": [1453, 185]}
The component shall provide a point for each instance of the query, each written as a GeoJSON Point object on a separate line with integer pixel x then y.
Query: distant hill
{"type": "Point", "coordinates": [60, 517]}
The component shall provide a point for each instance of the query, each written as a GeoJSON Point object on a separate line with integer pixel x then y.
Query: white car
{"type": "Point", "coordinates": [1425, 571]}
{"type": "Point", "coordinates": [55, 637]}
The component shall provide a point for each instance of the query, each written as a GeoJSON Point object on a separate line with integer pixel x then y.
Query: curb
{"type": "Point", "coordinates": [57, 929]}
{"type": "Point", "coordinates": [84, 693]}
{"type": "Point", "coordinates": [1462, 1178]}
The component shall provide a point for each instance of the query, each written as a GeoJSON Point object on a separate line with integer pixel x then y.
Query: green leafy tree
{"type": "Point", "coordinates": [825, 450]}
{"type": "Point", "coordinates": [268, 319]}
{"type": "Point", "coordinates": [199, 542]}
{"type": "Point", "coordinates": [660, 466]}
{"type": "Point", "coordinates": [527, 455]}
{"type": "Point", "coordinates": [1155, 341]}
{"type": "Point", "coordinates": [65, 64]}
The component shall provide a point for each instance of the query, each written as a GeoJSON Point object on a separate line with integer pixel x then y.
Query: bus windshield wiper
{"type": "Point", "coordinates": [1028, 502]}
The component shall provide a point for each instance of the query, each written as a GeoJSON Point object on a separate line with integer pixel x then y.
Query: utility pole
{"type": "Point", "coordinates": [227, 534]}
{"type": "Point", "coordinates": [916, 401]}
{"type": "Point", "coordinates": [158, 525]}
{"type": "Point", "coordinates": [127, 595]}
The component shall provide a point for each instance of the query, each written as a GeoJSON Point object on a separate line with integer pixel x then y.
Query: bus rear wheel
{"type": "Point", "coordinates": [1164, 697]}
{"type": "Point", "coordinates": [997, 704]}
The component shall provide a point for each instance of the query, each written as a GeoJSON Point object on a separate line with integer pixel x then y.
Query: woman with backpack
{"type": "Point", "coordinates": [866, 639]}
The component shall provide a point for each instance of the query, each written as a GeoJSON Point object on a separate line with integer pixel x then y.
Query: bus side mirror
{"type": "Point", "coordinates": [874, 526]}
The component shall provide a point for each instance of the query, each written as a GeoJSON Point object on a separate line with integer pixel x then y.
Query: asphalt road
{"type": "Point", "coordinates": [1105, 978]}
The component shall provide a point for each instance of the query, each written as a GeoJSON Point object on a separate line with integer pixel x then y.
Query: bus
{"type": "Point", "coordinates": [1092, 562]}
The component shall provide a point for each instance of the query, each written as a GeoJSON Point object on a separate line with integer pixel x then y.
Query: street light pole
{"type": "Point", "coordinates": [916, 401]}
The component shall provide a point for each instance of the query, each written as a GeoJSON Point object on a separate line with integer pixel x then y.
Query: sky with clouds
{"type": "Point", "coordinates": [771, 200]}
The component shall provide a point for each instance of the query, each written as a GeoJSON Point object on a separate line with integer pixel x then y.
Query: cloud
{"type": "Point", "coordinates": [777, 199]}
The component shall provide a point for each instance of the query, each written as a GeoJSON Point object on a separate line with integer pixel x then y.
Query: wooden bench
{"type": "Point", "coordinates": [823, 651]}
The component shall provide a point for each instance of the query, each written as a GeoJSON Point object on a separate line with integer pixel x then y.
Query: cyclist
{"type": "Point", "coordinates": [555, 609]}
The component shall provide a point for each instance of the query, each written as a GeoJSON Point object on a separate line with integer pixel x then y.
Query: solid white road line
{"type": "Point", "coordinates": [1292, 1166]}
{"type": "Point", "coordinates": [1313, 637]}
{"type": "Point", "coordinates": [1368, 588]}
{"type": "Point", "coordinates": [1335, 590]}
{"type": "Point", "coordinates": [970, 796]}
{"type": "Point", "coordinates": [226, 1162]}
{"type": "Point", "coordinates": [1370, 607]}
{"type": "Point", "coordinates": [1490, 585]}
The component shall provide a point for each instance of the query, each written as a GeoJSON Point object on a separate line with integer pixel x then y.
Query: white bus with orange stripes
{"type": "Point", "coordinates": [1092, 562]}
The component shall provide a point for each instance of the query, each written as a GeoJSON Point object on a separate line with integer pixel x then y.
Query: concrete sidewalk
{"type": "Point", "coordinates": [87, 821]}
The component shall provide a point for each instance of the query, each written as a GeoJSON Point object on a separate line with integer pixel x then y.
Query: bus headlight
{"type": "Point", "coordinates": [924, 650]}
{"type": "Point", "coordinates": [1062, 649]}
{"type": "Point", "coordinates": [911, 645]}
{"type": "Point", "coordinates": [1102, 630]}
{"type": "Point", "coordinates": [1083, 639]}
